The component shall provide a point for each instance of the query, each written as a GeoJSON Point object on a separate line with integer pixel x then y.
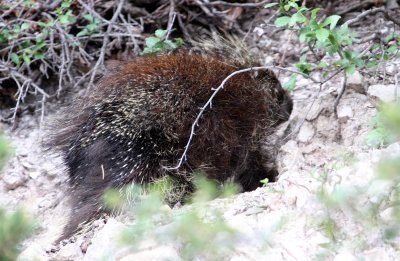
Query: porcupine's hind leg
{"type": "Point", "coordinates": [255, 170]}
{"type": "Point", "coordinates": [90, 177]}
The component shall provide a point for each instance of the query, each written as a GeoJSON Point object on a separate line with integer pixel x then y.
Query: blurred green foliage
{"type": "Point", "coordinates": [15, 226]}
{"type": "Point", "coordinates": [5, 150]}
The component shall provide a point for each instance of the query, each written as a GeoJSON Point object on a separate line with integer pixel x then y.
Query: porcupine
{"type": "Point", "coordinates": [137, 120]}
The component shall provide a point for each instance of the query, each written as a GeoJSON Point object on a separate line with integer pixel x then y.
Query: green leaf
{"type": "Point", "coordinates": [25, 26]}
{"type": "Point", "coordinates": [27, 59]}
{"type": "Point", "coordinates": [66, 4]}
{"type": "Point", "coordinates": [64, 19]}
{"type": "Point", "coordinates": [48, 24]}
{"type": "Point", "coordinates": [91, 27]}
{"type": "Point", "coordinates": [314, 13]}
{"type": "Point", "coordinates": [160, 33]}
{"type": "Point", "coordinates": [392, 50]}
{"type": "Point", "coordinates": [332, 20]}
{"type": "Point", "coordinates": [39, 45]}
{"type": "Point", "coordinates": [39, 56]}
{"type": "Point", "coordinates": [375, 46]}
{"type": "Point", "coordinates": [67, 18]}
{"type": "Point", "coordinates": [322, 65]}
{"type": "Point", "coordinates": [15, 58]}
{"type": "Point", "coordinates": [270, 5]}
{"type": "Point", "coordinates": [84, 32]}
{"type": "Point", "coordinates": [294, 5]}
{"type": "Point", "coordinates": [89, 17]}
{"type": "Point", "coordinates": [297, 18]}
{"type": "Point", "coordinates": [350, 69]}
{"type": "Point", "coordinates": [348, 55]}
{"type": "Point", "coordinates": [179, 41]}
{"type": "Point", "coordinates": [371, 64]}
{"type": "Point", "coordinates": [282, 21]}
{"type": "Point", "coordinates": [322, 34]}
{"type": "Point", "coordinates": [152, 41]}
{"type": "Point", "coordinates": [291, 84]}
{"type": "Point", "coordinates": [169, 45]}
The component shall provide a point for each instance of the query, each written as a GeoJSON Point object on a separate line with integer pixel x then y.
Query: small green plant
{"type": "Point", "coordinates": [92, 26]}
{"type": "Point", "coordinates": [5, 150]}
{"type": "Point", "coordinates": [200, 236]}
{"type": "Point", "coordinates": [14, 226]}
{"type": "Point", "coordinates": [159, 43]}
{"type": "Point", "coordinates": [323, 36]}
{"type": "Point", "coordinates": [380, 135]}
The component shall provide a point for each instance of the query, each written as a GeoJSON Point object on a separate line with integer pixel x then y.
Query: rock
{"type": "Point", "coordinates": [158, 253]}
{"type": "Point", "coordinates": [355, 82]}
{"type": "Point", "coordinates": [388, 215]}
{"type": "Point", "coordinates": [314, 111]}
{"type": "Point", "coordinates": [33, 252]}
{"type": "Point", "coordinates": [13, 181]}
{"type": "Point", "coordinates": [26, 165]}
{"type": "Point", "coordinates": [345, 112]}
{"type": "Point", "coordinates": [392, 4]}
{"type": "Point", "coordinates": [345, 255]}
{"type": "Point", "coordinates": [386, 93]}
{"type": "Point", "coordinates": [393, 150]}
{"type": "Point", "coordinates": [291, 156]}
{"type": "Point", "coordinates": [376, 254]}
{"type": "Point", "coordinates": [70, 252]}
{"type": "Point", "coordinates": [306, 132]}
{"type": "Point", "coordinates": [106, 242]}
{"type": "Point", "coordinates": [34, 174]}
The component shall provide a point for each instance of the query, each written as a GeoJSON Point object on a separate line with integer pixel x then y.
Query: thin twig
{"type": "Point", "coordinates": [236, 4]}
{"type": "Point", "coordinates": [370, 12]}
{"type": "Point", "coordinates": [342, 90]}
{"type": "Point", "coordinates": [100, 60]}
{"type": "Point", "coordinates": [171, 18]}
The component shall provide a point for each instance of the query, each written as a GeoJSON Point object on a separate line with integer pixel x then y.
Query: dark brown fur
{"type": "Point", "coordinates": [137, 120]}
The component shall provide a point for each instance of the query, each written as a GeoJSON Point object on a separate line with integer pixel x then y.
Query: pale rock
{"type": "Point", "coordinates": [50, 168]}
{"type": "Point", "coordinates": [13, 181]}
{"type": "Point", "coordinates": [290, 196]}
{"type": "Point", "coordinates": [26, 165]}
{"type": "Point", "coordinates": [70, 252]}
{"type": "Point", "coordinates": [392, 4]}
{"type": "Point", "coordinates": [355, 82]}
{"type": "Point", "coordinates": [377, 190]}
{"type": "Point", "coordinates": [270, 254]}
{"type": "Point", "coordinates": [303, 199]}
{"type": "Point", "coordinates": [158, 253]}
{"type": "Point", "coordinates": [386, 93]}
{"type": "Point", "coordinates": [319, 239]}
{"type": "Point", "coordinates": [345, 255]}
{"type": "Point", "coordinates": [294, 250]}
{"type": "Point", "coordinates": [387, 214]}
{"type": "Point", "coordinates": [291, 156]}
{"type": "Point", "coordinates": [34, 174]}
{"type": "Point", "coordinates": [345, 112]}
{"type": "Point", "coordinates": [393, 150]}
{"type": "Point", "coordinates": [306, 132]}
{"type": "Point", "coordinates": [106, 242]}
{"type": "Point", "coordinates": [376, 254]}
{"type": "Point", "coordinates": [314, 111]}
{"type": "Point", "coordinates": [34, 252]}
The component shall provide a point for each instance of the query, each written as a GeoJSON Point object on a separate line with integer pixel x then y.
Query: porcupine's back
{"type": "Point", "coordinates": [137, 120]}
